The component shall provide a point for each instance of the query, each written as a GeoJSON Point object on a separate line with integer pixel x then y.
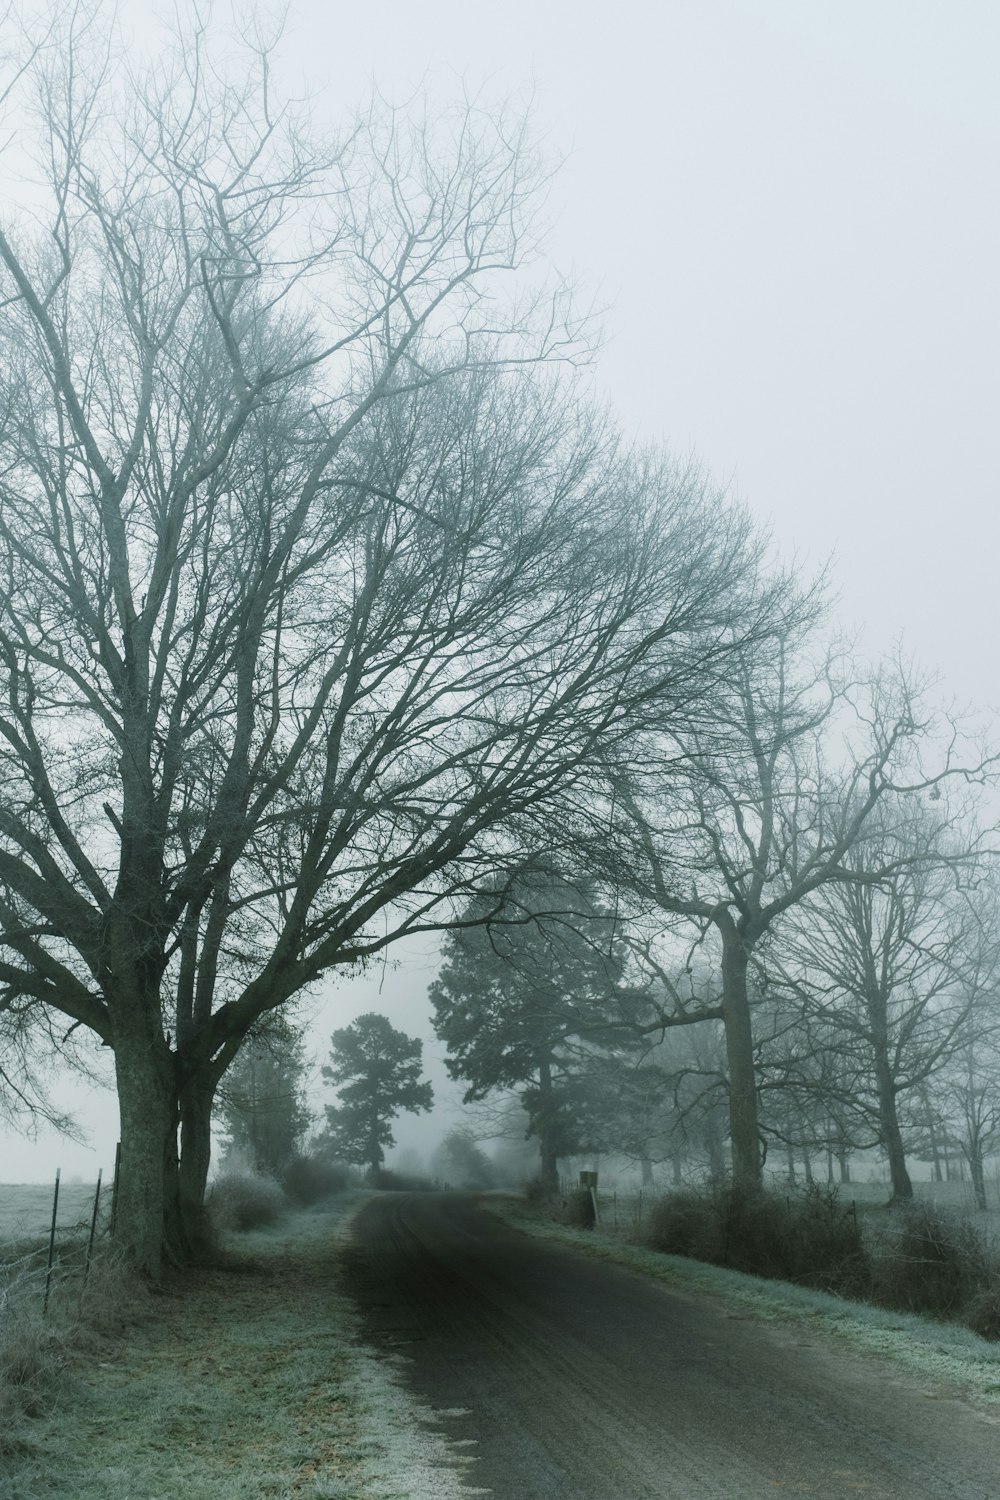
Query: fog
{"type": "Point", "coordinates": [789, 214]}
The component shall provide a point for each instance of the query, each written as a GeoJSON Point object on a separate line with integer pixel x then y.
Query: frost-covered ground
{"type": "Point", "coordinates": [937, 1352]}
{"type": "Point", "coordinates": [246, 1382]}
{"type": "Point", "coordinates": [256, 1383]}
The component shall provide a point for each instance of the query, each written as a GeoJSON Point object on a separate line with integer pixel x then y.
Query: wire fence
{"type": "Point", "coordinates": [621, 1212]}
{"type": "Point", "coordinates": [37, 1267]}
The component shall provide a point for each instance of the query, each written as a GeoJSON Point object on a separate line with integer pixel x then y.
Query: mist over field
{"type": "Point", "coordinates": [499, 911]}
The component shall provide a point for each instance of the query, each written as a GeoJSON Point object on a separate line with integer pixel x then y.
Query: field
{"type": "Point", "coordinates": [623, 1208]}
{"type": "Point", "coordinates": [26, 1208]}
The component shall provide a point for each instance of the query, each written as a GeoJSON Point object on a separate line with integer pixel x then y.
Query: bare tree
{"type": "Point", "coordinates": [968, 1094]}
{"type": "Point", "coordinates": [882, 969]}
{"type": "Point", "coordinates": [314, 591]}
{"type": "Point", "coordinates": [744, 816]}
{"type": "Point", "coordinates": [972, 1097]}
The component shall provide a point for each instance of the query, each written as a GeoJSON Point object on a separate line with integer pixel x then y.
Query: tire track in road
{"type": "Point", "coordinates": [582, 1381]}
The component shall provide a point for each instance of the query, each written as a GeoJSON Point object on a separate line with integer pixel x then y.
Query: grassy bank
{"type": "Point", "coordinates": [941, 1354]}
{"type": "Point", "coordinates": [242, 1382]}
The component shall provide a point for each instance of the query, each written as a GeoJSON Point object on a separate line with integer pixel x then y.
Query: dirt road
{"type": "Point", "coordinates": [582, 1381]}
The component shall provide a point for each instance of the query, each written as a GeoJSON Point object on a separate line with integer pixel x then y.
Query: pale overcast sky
{"type": "Point", "coordinates": [791, 212]}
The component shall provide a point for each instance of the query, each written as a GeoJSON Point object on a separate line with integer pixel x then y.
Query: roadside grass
{"type": "Point", "coordinates": [244, 1381]}
{"type": "Point", "coordinates": [928, 1349]}
{"type": "Point", "coordinates": [938, 1255]}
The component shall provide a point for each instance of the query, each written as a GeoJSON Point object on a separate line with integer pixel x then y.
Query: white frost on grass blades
{"type": "Point", "coordinates": [406, 1460]}
{"type": "Point", "coordinates": [931, 1351]}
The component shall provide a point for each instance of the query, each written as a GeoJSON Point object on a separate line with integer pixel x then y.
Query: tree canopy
{"type": "Point", "coordinates": [525, 996]}
{"type": "Point", "coordinates": [376, 1071]}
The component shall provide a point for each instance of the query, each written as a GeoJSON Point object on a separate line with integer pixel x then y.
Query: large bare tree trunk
{"type": "Point", "coordinates": [195, 1159]}
{"type": "Point", "coordinates": [744, 1128]}
{"type": "Point", "coordinates": [549, 1165]}
{"type": "Point", "coordinates": [892, 1136]}
{"type": "Point", "coordinates": [716, 1156]}
{"type": "Point", "coordinates": [147, 1181]}
{"type": "Point", "coordinates": [899, 1177]}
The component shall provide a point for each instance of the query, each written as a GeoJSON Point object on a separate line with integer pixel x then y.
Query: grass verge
{"type": "Point", "coordinates": [244, 1382]}
{"type": "Point", "coordinates": [930, 1350]}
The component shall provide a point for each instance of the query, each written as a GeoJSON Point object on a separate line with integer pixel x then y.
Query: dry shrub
{"type": "Point", "coordinates": [400, 1182]}
{"type": "Point", "coordinates": [535, 1192]}
{"type": "Point", "coordinates": [808, 1238]}
{"type": "Point", "coordinates": [243, 1200]}
{"type": "Point", "coordinates": [309, 1179]}
{"type": "Point", "coordinates": [983, 1313]}
{"type": "Point", "coordinates": [114, 1295]}
{"type": "Point", "coordinates": [686, 1223]}
{"type": "Point", "coordinates": [932, 1263]}
{"type": "Point", "coordinates": [823, 1244]}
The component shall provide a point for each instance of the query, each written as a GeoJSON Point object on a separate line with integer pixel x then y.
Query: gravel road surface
{"type": "Point", "coordinates": [570, 1379]}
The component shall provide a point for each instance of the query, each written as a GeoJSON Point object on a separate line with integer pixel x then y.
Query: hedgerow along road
{"type": "Point", "coordinates": [565, 1378]}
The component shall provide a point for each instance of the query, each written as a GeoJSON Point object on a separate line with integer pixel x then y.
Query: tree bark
{"type": "Point", "coordinates": [975, 1154]}
{"type": "Point", "coordinates": [744, 1128]}
{"type": "Point", "coordinates": [196, 1098]}
{"type": "Point", "coordinates": [892, 1138]}
{"type": "Point", "coordinates": [547, 1130]}
{"type": "Point", "coordinates": [147, 1180]}
{"type": "Point", "coordinates": [716, 1159]}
